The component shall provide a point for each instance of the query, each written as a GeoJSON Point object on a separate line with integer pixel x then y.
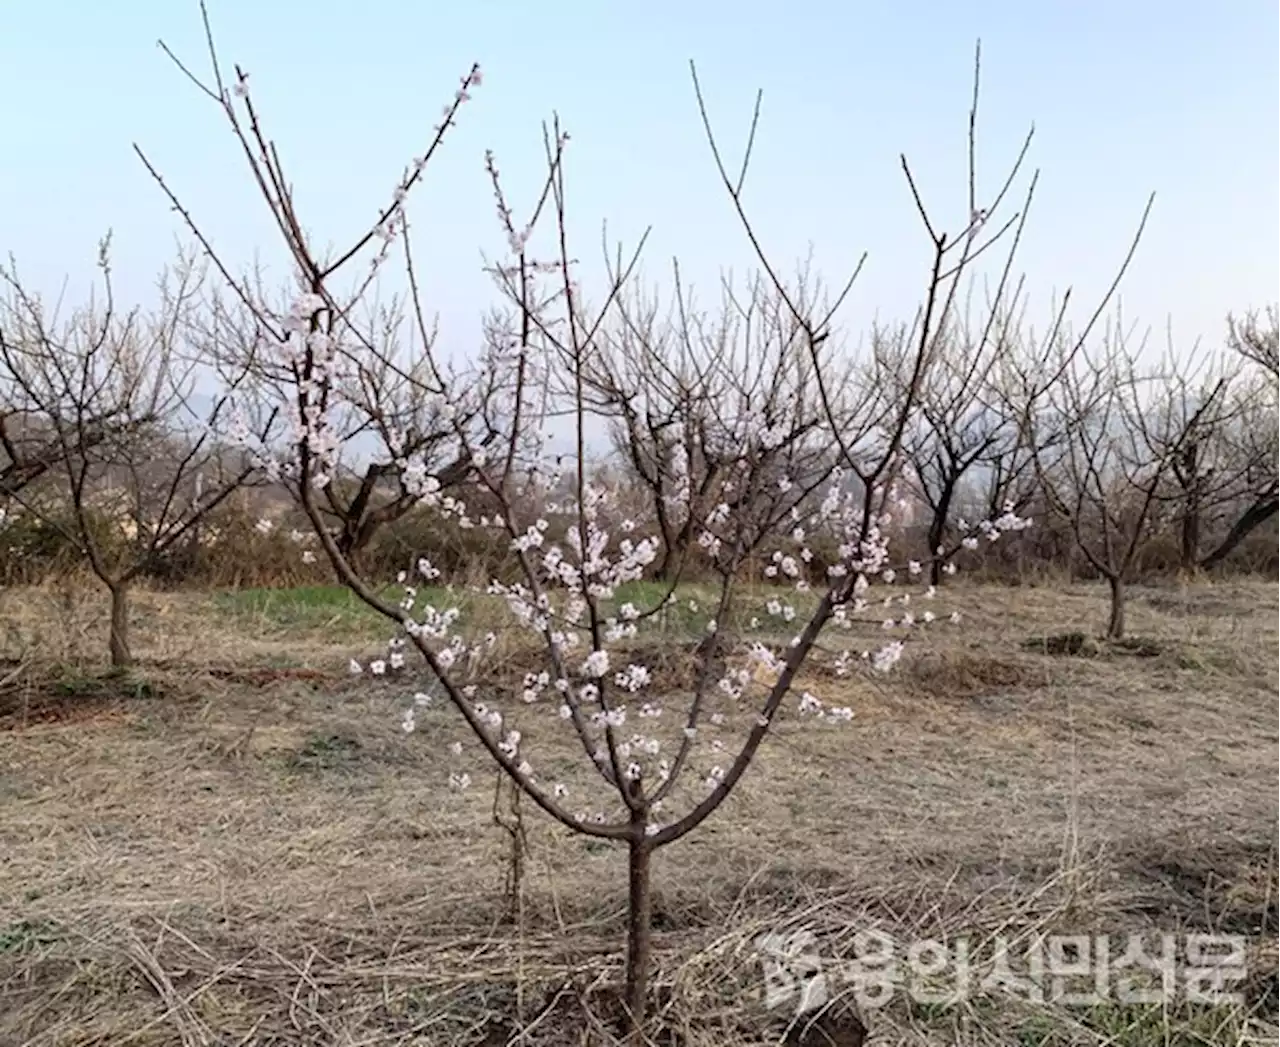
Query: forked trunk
{"type": "Point", "coordinates": [350, 544]}
{"type": "Point", "coordinates": [937, 531]}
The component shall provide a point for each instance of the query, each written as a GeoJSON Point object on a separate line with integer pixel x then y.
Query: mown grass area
{"type": "Point", "coordinates": [237, 843]}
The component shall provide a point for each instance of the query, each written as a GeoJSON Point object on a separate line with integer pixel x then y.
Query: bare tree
{"type": "Point", "coordinates": [1200, 409]}
{"type": "Point", "coordinates": [132, 488]}
{"type": "Point", "coordinates": [1247, 482]}
{"type": "Point", "coordinates": [1122, 434]}
{"type": "Point", "coordinates": [30, 448]}
{"type": "Point", "coordinates": [961, 425]}
{"type": "Point", "coordinates": [876, 459]}
{"type": "Point", "coordinates": [1023, 373]}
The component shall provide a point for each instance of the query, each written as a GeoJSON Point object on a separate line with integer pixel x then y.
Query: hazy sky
{"type": "Point", "coordinates": [1127, 98]}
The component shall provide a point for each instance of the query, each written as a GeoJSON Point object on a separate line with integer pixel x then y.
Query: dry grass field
{"type": "Point", "coordinates": [238, 844]}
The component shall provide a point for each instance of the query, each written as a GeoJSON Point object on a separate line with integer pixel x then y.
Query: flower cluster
{"type": "Point", "coordinates": [743, 476]}
{"type": "Point", "coordinates": [571, 606]}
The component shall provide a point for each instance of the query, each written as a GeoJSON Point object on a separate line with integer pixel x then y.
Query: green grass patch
{"type": "Point", "coordinates": [304, 607]}
{"type": "Point", "coordinates": [27, 935]}
{"type": "Point", "coordinates": [314, 607]}
{"type": "Point", "coordinates": [324, 606]}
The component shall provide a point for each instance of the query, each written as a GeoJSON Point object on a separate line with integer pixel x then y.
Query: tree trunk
{"type": "Point", "coordinates": [1115, 625]}
{"type": "Point", "coordinates": [665, 563]}
{"type": "Point", "coordinates": [938, 531]}
{"type": "Point", "coordinates": [351, 541]}
{"type": "Point", "coordinates": [639, 917]}
{"type": "Point", "coordinates": [121, 656]}
{"type": "Point", "coordinates": [1192, 480]}
{"type": "Point", "coordinates": [675, 547]}
{"type": "Point", "coordinates": [1255, 516]}
{"type": "Point", "coordinates": [1190, 551]}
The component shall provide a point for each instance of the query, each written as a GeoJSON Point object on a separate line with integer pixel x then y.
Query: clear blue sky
{"type": "Point", "coordinates": [1177, 97]}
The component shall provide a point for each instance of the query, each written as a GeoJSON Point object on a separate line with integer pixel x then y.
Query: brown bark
{"type": "Point", "coordinates": [639, 920]}
{"type": "Point", "coordinates": [121, 656]}
{"type": "Point", "coordinates": [1115, 624]}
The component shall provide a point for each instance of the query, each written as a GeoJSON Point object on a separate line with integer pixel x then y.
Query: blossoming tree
{"type": "Point", "coordinates": [662, 760]}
